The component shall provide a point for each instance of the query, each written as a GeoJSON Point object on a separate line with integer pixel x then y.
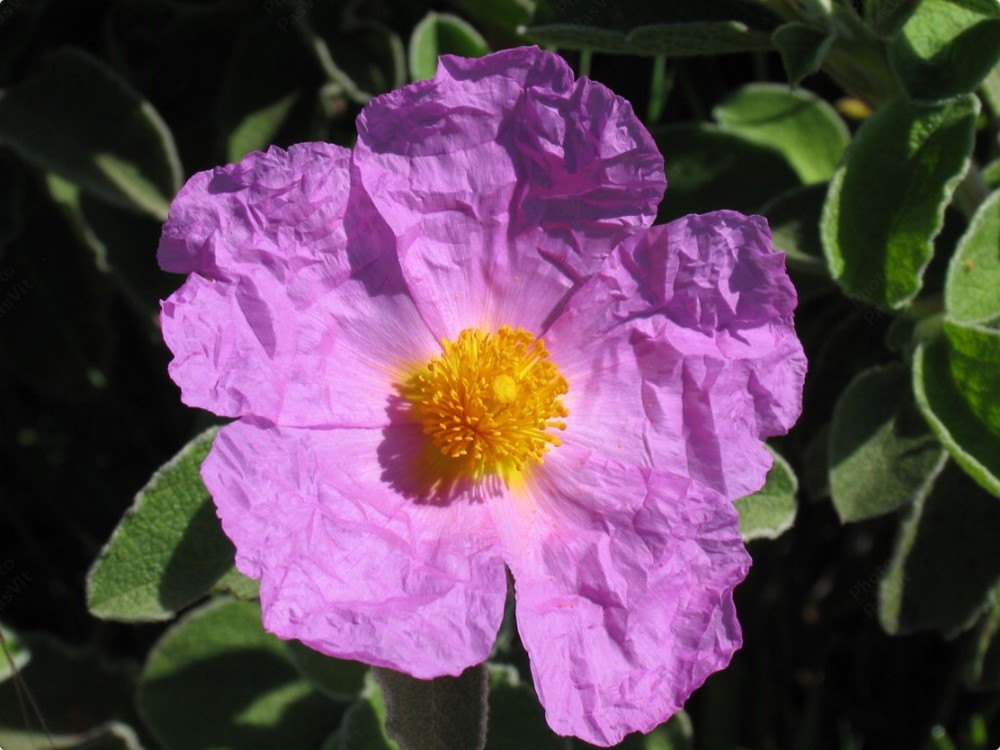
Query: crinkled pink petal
{"type": "Point", "coordinates": [686, 330]}
{"type": "Point", "coordinates": [348, 564]}
{"type": "Point", "coordinates": [505, 183]}
{"type": "Point", "coordinates": [624, 579]}
{"type": "Point", "coordinates": [297, 332]}
{"type": "Point", "coordinates": [279, 211]}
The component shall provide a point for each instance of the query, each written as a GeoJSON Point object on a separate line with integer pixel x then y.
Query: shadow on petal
{"type": "Point", "coordinates": [415, 468]}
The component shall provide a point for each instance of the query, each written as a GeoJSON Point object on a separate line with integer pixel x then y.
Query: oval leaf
{"type": "Point", "coordinates": [169, 549]}
{"type": "Point", "coordinates": [676, 734]}
{"type": "Point", "coordinates": [799, 125]}
{"type": "Point", "coordinates": [506, 14]}
{"type": "Point", "coordinates": [944, 568]}
{"type": "Point", "coordinates": [636, 27]}
{"type": "Point", "coordinates": [340, 679]}
{"type": "Point", "coordinates": [770, 511]}
{"type": "Point", "coordinates": [887, 16]}
{"type": "Point", "coordinates": [972, 287]}
{"type": "Point", "coordinates": [882, 453]}
{"type": "Point", "coordinates": [442, 34]}
{"type": "Point", "coordinates": [803, 49]}
{"type": "Point", "coordinates": [975, 368]}
{"type": "Point", "coordinates": [886, 201]}
{"type": "Point", "coordinates": [361, 729]}
{"type": "Point", "coordinates": [439, 714]}
{"type": "Point", "coordinates": [78, 118]}
{"type": "Point", "coordinates": [216, 679]}
{"type": "Point", "coordinates": [671, 40]}
{"type": "Point", "coordinates": [516, 717]}
{"type": "Point", "coordinates": [947, 47]}
{"type": "Point", "coordinates": [971, 443]}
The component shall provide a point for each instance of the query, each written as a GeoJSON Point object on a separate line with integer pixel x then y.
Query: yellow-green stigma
{"type": "Point", "coordinates": [490, 400]}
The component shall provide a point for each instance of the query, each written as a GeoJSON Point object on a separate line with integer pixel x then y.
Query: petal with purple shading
{"type": "Point", "coordinates": [624, 579]}
{"type": "Point", "coordinates": [280, 210]}
{"type": "Point", "coordinates": [505, 183]}
{"type": "Point", "coordinates": [347, 564]}
{"type": "Point", "coordinates": [293, 341]}
{"type": "Point", "coordinates": [683, 348]}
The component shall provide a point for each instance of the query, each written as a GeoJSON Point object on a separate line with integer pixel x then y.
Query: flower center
{"type": "Point", "coordinates": [490, 399]}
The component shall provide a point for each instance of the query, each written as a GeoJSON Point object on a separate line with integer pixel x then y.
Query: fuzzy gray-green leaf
{"type": "Point", "coordinates": [168, 550]}
{"type": "Point", "coordinates": [887, 199]}
{"type": "Point", "coordinates": [882, 453]}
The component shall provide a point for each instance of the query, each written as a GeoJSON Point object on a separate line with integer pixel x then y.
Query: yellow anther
{"type": "Point", "coordinates": [489, 400]}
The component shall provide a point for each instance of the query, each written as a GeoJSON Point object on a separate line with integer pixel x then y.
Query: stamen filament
{"type": "Point", "coordinates": [491, 399]}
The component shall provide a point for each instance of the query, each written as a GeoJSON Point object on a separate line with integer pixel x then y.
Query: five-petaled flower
{"type": "Point", "coordinates": [461, 348]}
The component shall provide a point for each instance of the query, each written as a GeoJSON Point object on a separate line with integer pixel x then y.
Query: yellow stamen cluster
{"type": "Point", "coordinates": [490, 399]}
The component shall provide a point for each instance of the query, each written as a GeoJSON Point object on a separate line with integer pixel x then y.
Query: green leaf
{"type": "Point", "coordinates": [268, 91]}
{"type": "Point", "coordinates": [14, 655]}
{"type": "Point", "coordinates": [217, 680]}
{"type": "Point", "coordinates": [989, 90]}
{"type": "Point", "coordinates": [803, 49]}
{"type": "Point", "coordinates": [169, 549]}
{"type": "Point", "coordinates": [361, 729]}
{"type": "Point", "coordinates": [506, 14]}
{"type": "Point", "coordinates": [516, 718]}
{"type": "Point", "coordinates": [339, 679]}
{"type": "Point", "coordinates": [882, 453]}
{"type": "Point", "coordinates": [676, 734]}
{"type": "Point", "coordinates": [968, 439]}
{"type": "Point", "coordinates": [975, 368]}
{"type": "Point", "coordinates": [673, 40]}
{"type": "Point", "coordinates": [79, 119]}
{"type": "Point", "coordinates": [258, 129]}
{"type": "Point", "coordinates": [235, 583]}
{"type": "Point", "coordinates": [442, 34]}
{"type": "Point", "coordinates": [888, 16]}
{"type": "Point", "coordinates": [942, 571]}
{"type": "Point", "coordinates": [625, 15]}
{"type": "Point", "coordinates": [799, 125]}
{"type": "Point", "coordinates": [887, 199]}
{"type": "Point", "coordinates": [710, 169]}
{"type": "Point", "coordinates": [770, 512]}
{"type": "Point", "coordinates": [991, 172]}
{"type": "Point", "coordinates": [439, 714]}
{"type": "Point", "coordinates": [972, 287]}
{"type": "Point", "coordinates": [946, 47]}
{"type": "Point", "coordinates": [674, 28]}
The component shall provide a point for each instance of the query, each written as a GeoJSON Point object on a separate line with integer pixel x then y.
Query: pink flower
{"type": "Point", "coordinates": [460, 347]}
